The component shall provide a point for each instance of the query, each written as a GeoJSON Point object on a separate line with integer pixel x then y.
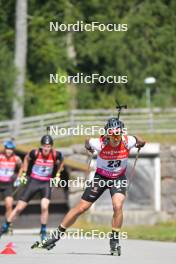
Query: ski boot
{"type": "Point", "coordinates": [115, 248]}
{"type": "Point", "coordinates": [50, 242]}
{"type": "Point", "coordinates": [4, 228]}
{"type": "Point", "coordinates": [43, 233]}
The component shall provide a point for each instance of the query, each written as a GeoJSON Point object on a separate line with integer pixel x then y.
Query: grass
{"type": "Point", "coordinates": [159, 138]}
{"type": "Point", "coordinates": [66, 142]}
{"type": "Point", "coordinates": [158, 232]}
{"type": "Point", "coordinates": [57, 143]}
{"type": "Point", "coordinates": [149, 138]}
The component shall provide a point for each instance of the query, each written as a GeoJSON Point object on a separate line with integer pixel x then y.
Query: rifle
{"type": "Point", "coordinates": [119, 108]}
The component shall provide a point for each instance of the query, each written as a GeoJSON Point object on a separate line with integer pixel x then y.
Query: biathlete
{"type": "Point", "coordinates": [39, 166]}
{"type": "Point", "coordinates": [10, 165]}
{"type": "Point", "coordinates": [113, 151]}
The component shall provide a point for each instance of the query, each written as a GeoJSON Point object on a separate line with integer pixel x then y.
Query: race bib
{"type": "Point", "coordinates": [42, 171]}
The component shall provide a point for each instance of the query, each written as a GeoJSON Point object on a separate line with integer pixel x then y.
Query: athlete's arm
{"type": "Point", "coordinates": [93, 144]}
{"type": "Point", "coordinates": [59, 163]}
{"type": "Point", "coordinates": [18, 167]}
{"type": "Point", "coordinates": [26, 161]}
{"type": "Point", "coordinates": [87, 145]}
{"type": "Point", "coordinates": [134, 141]}
{"type": "Point", "coordinates": [24, 166]}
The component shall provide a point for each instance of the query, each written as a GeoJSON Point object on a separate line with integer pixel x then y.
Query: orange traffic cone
{"type": "Point", "coordinates": [8, 251]}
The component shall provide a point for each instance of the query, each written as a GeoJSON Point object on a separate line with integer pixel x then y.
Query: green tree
{"type": "Point", "coordinates": [148, 48]}
{"type": "Point", "coordinates": [7, 78]}
{"type": "Point", "coordinates": [46, 98]}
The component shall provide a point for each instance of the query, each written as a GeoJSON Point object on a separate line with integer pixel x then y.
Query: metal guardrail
{"type": "Point", "coordinates": [30, 129]}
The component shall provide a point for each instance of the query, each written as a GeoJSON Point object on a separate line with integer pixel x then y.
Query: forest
{"type": "Point", "coordinates": [146, 48]}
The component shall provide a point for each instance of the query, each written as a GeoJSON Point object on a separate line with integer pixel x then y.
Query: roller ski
{"type": "Point", "coordinates": [49, 242]}
{"type": "Point", "coordinates": [116, 251]}
{"type": "Point", "coordinates": [45, 244]}
{"type": "Point", "coordinates": [115, 248]}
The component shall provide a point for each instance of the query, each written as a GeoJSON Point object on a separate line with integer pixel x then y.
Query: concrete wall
{"type": "Point", "coordinates": [168, 179]}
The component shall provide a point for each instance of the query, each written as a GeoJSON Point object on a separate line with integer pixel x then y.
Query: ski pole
{"type": "Point", "coordinates": [17, 189]}
{"type": "Point", "coordinates": [133, 169]}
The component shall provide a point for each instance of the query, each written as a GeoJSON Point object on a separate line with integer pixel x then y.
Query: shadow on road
{"type": "Point", "coordinates": [87, 253]}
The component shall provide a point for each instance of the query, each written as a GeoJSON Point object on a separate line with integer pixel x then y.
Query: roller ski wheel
{"type": "Point", "coordinates": [116, 251]}
{"type": "Point", "coordinates": [49, 247]}
{"type": "Point", "coordinates": [45, 244]}
{"type": "Point", "coordinates": [35, 245]}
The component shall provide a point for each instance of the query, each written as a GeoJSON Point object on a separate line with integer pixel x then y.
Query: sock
{"type": "Point", "coordinates": [61, 228]}
{"type": "Point", "coordinates": [43, 227]}
{"type": "Point", "coordinates": [115, 234]}
{"type": "Point", "coordinates": [56, 234]}
{"type": "Point", "coordinates": [7, 223]}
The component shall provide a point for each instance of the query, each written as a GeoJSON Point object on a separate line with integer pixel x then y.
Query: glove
{"type": "Point", "coordinates": [16, 182]}
{"type": "Point", "coordinates": [56, 180]}
{"type": "Point", "coordinates": [23, 179]}
{"type": "Point", "coordinates": [58, 175]}
{"type": "Point", "coordinates": [88, 147]}
{"type": "Point", "coordinates": [140, 144]}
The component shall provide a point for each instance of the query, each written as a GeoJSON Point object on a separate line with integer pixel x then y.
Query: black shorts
{"type": "Point", "coordinates": [33, 187]}
{"type": "Point", "coordinates": [99, 184]}
{"type": "Point", "coordinates": [6, 189]}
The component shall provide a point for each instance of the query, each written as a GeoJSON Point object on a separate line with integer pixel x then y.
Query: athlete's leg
{"type": "Point", "coordinates": [117, 220]}
{"type": "Point", "coordinates": [93, 191]}
{"type": "Point", "coordinates": [8, 199]}
{"type": "Point", "coordinates": [44, 210]}
{"type": "Point", "coordinates": [68, 220]}
{"type": "Point", "coordinates": [44, 216]}
{"type": "Point", "coordinates": [30, 189]}
{"type": "Point", "coordinates": [17, 210]}
{"type": "Point", "coordinates": [21, 205]}
{"type": "Point", "coordinates": [75, 212]}
{"type": "Point", "coordinates": [8, 205]}
{"type": "Point", "coordinates": [117, 202]}
{"type": "Point", "coordinates": [118, 191]}
{"type": "Point", "coordinates": [90, 195]}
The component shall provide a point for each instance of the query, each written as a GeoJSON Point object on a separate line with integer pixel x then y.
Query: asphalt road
{"type": "Point", "coordinates": [86, 251]}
